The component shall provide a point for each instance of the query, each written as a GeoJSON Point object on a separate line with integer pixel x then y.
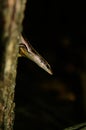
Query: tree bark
{"type": "Point", "coordinates": [11, 16]}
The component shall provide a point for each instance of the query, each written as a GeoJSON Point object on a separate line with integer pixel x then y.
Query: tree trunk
{"type": "Point", "coordinates": [11, 16]}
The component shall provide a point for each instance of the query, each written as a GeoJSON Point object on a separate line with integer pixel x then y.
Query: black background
{"type": "Point", "coordinates": [57, 30]}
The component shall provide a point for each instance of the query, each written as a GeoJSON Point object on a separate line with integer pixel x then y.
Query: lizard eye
{"type": "Point", "coordinates": [48, 66]}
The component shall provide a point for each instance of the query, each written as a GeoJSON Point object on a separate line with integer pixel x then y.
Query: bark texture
{"type": "Point", "coordinates": [11, 16]}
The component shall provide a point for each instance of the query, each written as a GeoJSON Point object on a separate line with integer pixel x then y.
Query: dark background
{"type": "Point", "coordinates": [57, 30]}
